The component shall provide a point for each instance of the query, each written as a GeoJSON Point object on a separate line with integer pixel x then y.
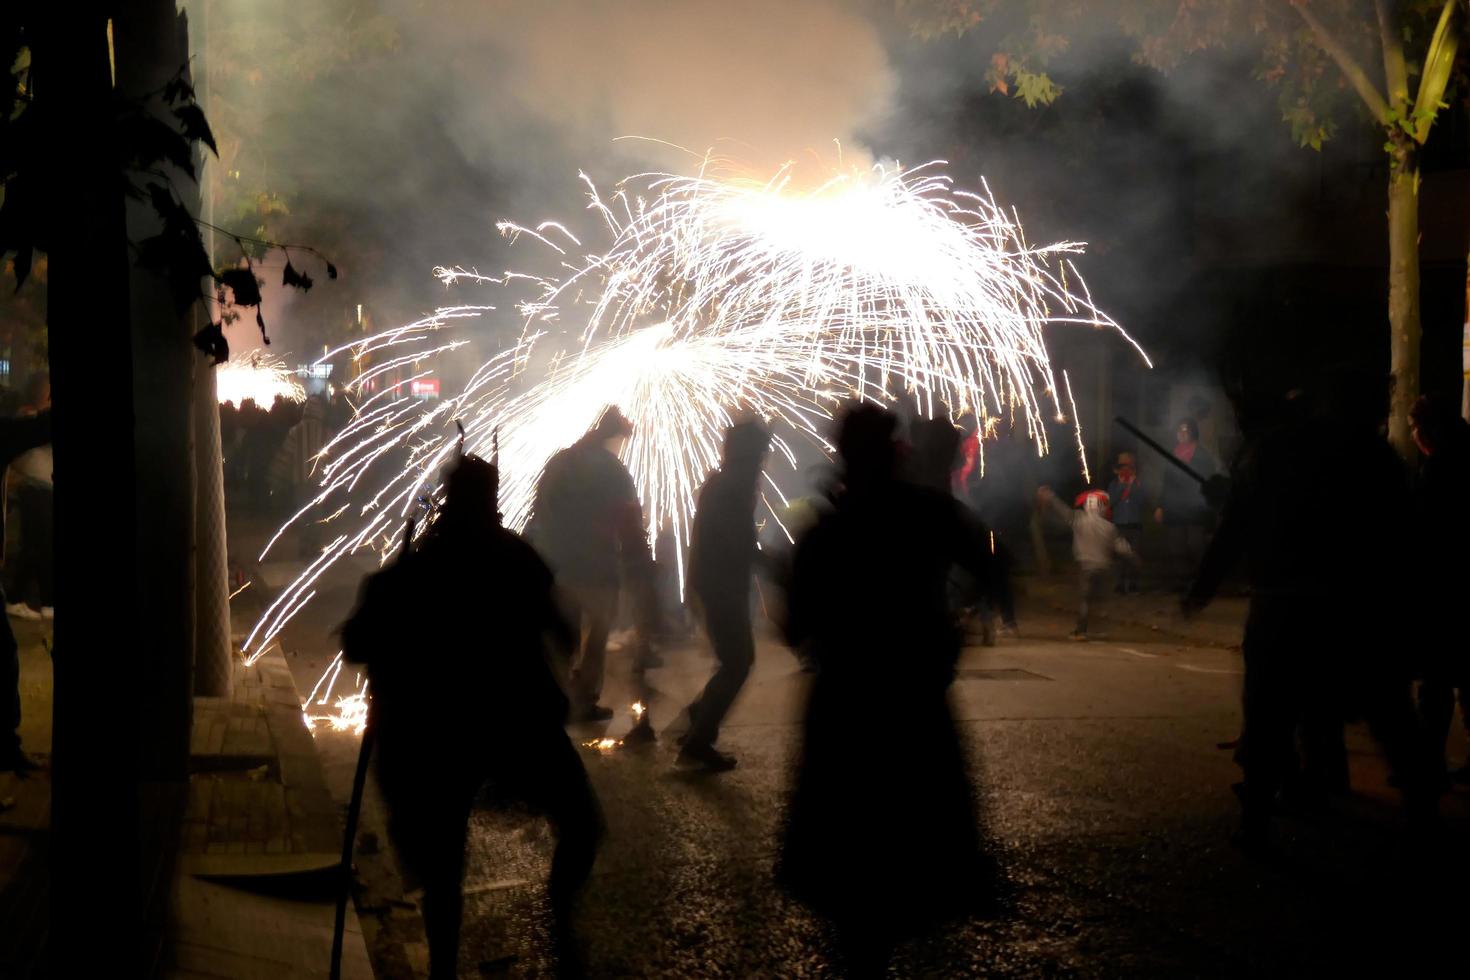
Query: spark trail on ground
{"type": "Point", "coordinates": [716, 295]}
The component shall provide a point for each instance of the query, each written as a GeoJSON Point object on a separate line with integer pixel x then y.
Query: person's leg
{"type": "Point", "coordinates": [729, 627]}
{"type": "Point", "coordinates": [597, 605]}
{"type": "Point", "coordinates": [1270, 716]}
{"type": "Point", "coordinates": [1389, 710]}
{"type": "Point", "coordinates": [1005, 596]}
{"type": "Point", "coordinates": [45, 547]}
{"type": "Point", "coordinates": [1084, 600]}
{"type": "Point", "coordinates": [428, 819]}
{"type": "Point", "coordinates": [9, 691]}
{"type": "Point", "coordinates": [552, 780]}
{"type": "Point", "coordinates": [1129, 576]}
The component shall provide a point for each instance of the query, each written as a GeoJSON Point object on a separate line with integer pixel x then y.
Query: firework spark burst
{"type": "Point", "coordinates": [257, 375]}
{"type": "Point", "coordinates": [717, 296]}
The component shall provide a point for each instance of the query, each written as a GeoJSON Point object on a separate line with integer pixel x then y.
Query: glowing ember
{"type": "Point", "coordinates": [638, 711]}
{"type": "Point", "coordinates": [603, 745]}
{"type": "Point", "coordinates": [717, 295]}
{"type": "Point", "coordinates": [259, 376]}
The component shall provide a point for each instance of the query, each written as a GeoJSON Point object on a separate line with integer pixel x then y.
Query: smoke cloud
{"type": "Point", "coordinates": [775, 77]}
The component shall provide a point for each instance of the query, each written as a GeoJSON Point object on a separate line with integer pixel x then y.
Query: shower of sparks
{"type": "Point", "coordinates": [1077, 428]}
{"type": "Point", "coordinates": [259, 376]}
{"type": "Point", "coordinates": [717, 297]}
{"type": "Point", "coordinates": [348, 712]}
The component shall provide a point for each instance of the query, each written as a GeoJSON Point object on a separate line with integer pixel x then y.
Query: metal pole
{"type": "Point", "coordinates": [344, 880]}
{"type": "Point", "coordinates": [1150, 443]}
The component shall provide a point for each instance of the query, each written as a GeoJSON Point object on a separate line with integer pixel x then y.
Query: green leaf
{"type": "Point", "coordinates": [1036, 88]}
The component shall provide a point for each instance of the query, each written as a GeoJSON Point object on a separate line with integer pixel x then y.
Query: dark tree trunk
{"type": "Point", "coordinates": [95, 872]}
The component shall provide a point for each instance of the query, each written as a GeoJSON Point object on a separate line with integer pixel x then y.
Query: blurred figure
{"type": "Point", "coordinates": [1126, 499]}
{"type": "Point", "coordinates": [1312, 659]}
{"type": "Point", "coordinates": [1096, 544]}
{"type": "Point", "coordinates": [30, 480]}
{"type": "Point", "coordinates": [1442, 495]}
{"type": "Point", "coordinates": [939, 455]}
{"type": "Point", "coordinates": [17, 436]}
{"type": "Point", "coordinates": [965, 480]}
{"type": "Point", "coordinates": [501, 717]}
{"type": "Point", "coordinates": [589, 524]}
{"type": "Point", "coordinates": [1182, 509]}
{"type": "Point", "coordinates": [722, 555]}
{"type": "Point", "coordinates": [881, 837]}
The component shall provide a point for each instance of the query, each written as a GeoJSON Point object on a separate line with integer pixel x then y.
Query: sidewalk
{"type": "Point", "coordinates": [25, 815]}
{"type": "Point", "coordinates": [261, 842]}
{"type": "Point", "coordinates": [261, 838]}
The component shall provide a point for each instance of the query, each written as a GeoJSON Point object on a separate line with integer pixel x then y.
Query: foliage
{"type": "Point", "coordinates": [1313, 52]}
{"type": "Point", "coordinates": [153, 140]}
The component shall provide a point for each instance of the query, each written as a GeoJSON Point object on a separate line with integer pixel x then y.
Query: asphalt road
{"type": "Point", "coordinates": [1104, 795]}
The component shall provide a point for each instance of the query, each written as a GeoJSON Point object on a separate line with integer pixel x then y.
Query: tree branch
{"type": "Point", "coordinates": [1396, 73]}
{"type": "Point", "coordinates": [1349, 66]}
{"type": "Point", "coordinates": [1438, 62]}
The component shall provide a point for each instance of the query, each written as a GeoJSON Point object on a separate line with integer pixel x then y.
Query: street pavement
{"type": "Point", "coordinates": [1104, 794]}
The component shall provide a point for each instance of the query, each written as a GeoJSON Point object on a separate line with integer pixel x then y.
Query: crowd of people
{"type": "Point", "coordinates": [897, 534]}
{"type": "Point", "coordinates": [269, 451]}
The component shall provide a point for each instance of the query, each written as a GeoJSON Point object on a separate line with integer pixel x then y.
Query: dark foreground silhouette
{"type": "Point", "coordinates": [882, 834]}
{"type": "Point", "coordinates": [473, 676]}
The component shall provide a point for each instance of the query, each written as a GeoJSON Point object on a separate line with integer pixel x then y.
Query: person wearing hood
{"type": "Point", "coordinates": [722, 555]}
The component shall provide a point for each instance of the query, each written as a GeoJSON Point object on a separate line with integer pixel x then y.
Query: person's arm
{"type": "Point", "coordinates": [1049, 499]}
{"type": "Point", "coordinates": [20, 435]}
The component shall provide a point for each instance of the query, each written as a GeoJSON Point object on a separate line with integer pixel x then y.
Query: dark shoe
{"type": "Point", "coordinates": [641, 734]}
{"type": "Point", "coordinates": [705, 757]}
{"type": "Point", "coordinates": [1078, 636]}
{"type": "Point", "coordinates": [592, 712]}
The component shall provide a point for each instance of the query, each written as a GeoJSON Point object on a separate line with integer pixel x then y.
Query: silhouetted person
{"type": "Point", "coordinates": [589, 524]}
{"type": "Point", "coordinates": [454, 639]}
{"type": "Point", "coordinates": [940, 451]}
{"type": "Point", "coordinates": [1315, 563]}
{"type": "Point", "coordinates": [1126, 498]}
{"type": "Point", "coordinates": [881, 834]}
{"type": "Point", "coordinates": [722, 555]}
{"type": "Point", "coordinates": [1443, 574]}
{"type": "Point", "coordinates": [1182, 509]}
{"type": "Point", "coordinates": [17, 436]}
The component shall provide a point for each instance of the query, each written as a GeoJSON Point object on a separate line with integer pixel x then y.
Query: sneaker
{"type": "Point", "coordinates": [705, 756]}
{"type": "Point", "coordinates": [592, 712]}
{"type": "Point", "coordinates": [21, 611]}
{"type": "Point", "coordinates": [1078, 636]}
{"type": "Point", "coordinates": [47, 612]}
{"type": "Point", "coordinates": [1007, 630]}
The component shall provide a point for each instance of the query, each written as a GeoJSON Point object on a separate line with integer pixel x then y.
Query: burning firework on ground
{"type": "Point", "coordinates": [257, 375]}
{"type": "Point", "coordinates": [717, 296]}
